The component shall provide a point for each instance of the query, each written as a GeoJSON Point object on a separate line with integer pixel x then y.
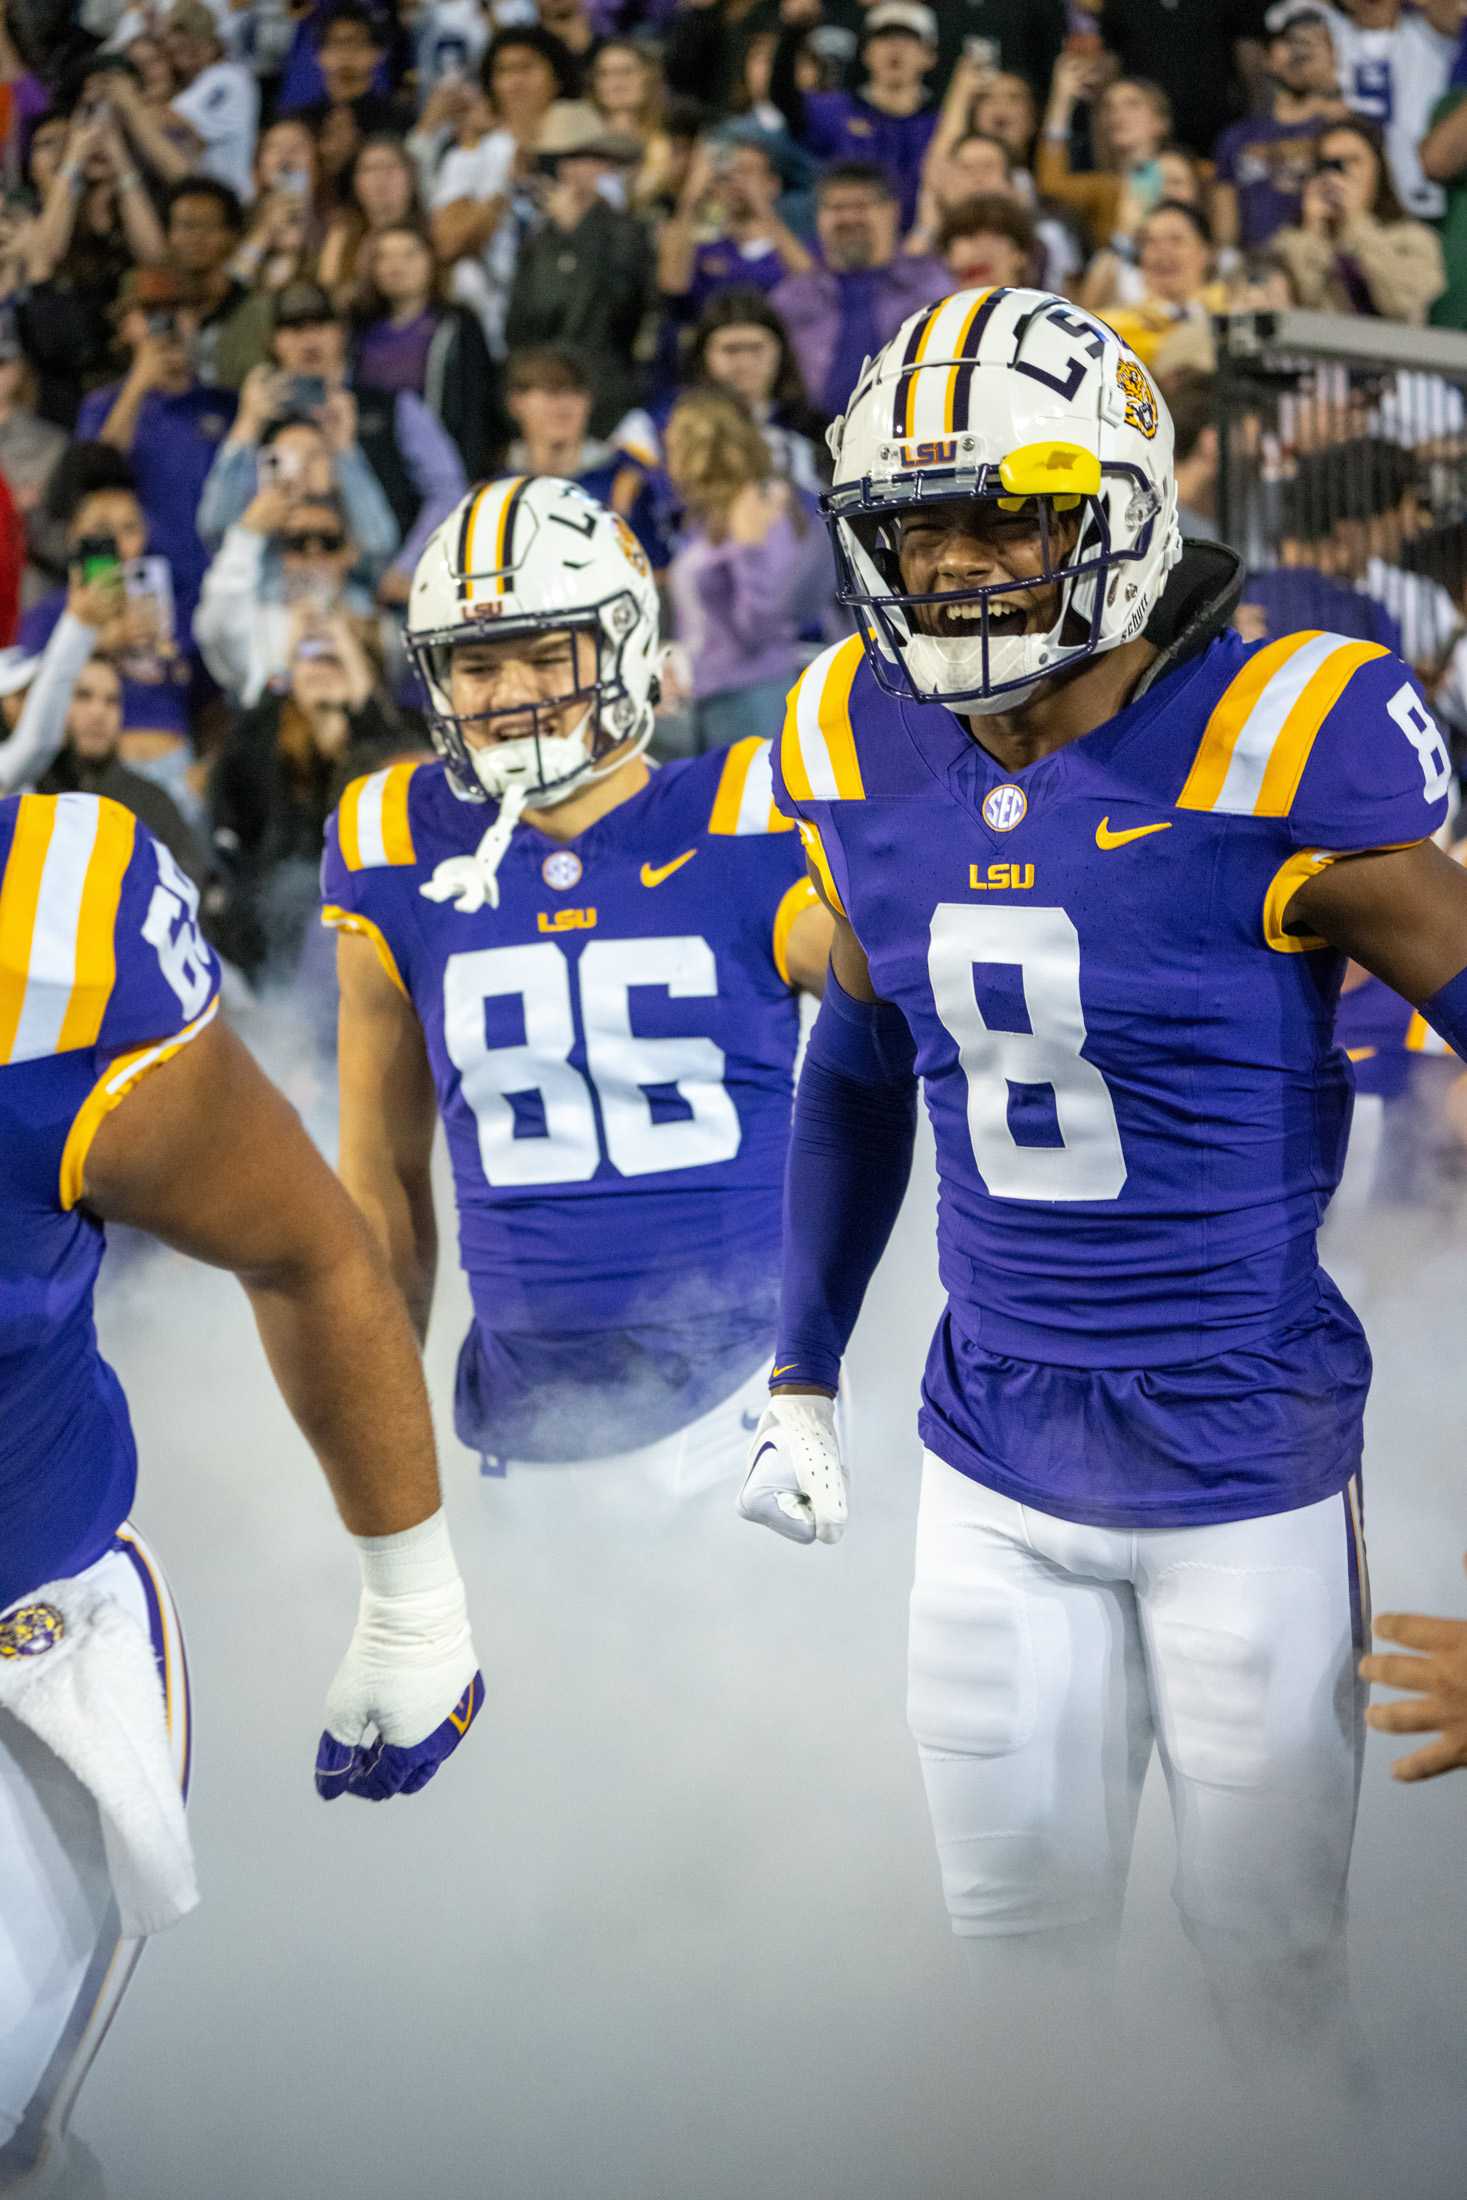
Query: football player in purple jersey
{"type": "Point", "coordinates": [1096, 866]}
{"type": "Point", "coordinates": [589, 968]}
{"type": "Point", "coordinates": [125, 1098]}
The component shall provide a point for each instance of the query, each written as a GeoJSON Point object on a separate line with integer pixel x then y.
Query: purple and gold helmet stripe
{"type": "Point", "coordinates": [906, 389]}
{"type": "Point", "coordinates": [965, 355]}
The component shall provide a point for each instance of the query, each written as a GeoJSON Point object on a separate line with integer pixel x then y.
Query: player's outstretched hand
{"type": "Point", "coordinates": [1437, 1680]}
{"type": "Point", "coordinates": [796, 1483]}
{"type": "Point", "coordinates": [404, 1696]}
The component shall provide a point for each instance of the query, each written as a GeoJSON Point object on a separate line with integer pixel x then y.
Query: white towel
{"type": "Point", "coordinates": [93, 1698]}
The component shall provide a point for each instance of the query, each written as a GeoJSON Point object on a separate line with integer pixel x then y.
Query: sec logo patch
{"type": "Point", "coordinates": [562, 869]}
{"type": "Point", "coordinates": [1005, 807]}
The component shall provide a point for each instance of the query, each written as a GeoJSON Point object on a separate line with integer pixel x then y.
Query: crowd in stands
{"type": "Point", "coordinates": [278, 281]}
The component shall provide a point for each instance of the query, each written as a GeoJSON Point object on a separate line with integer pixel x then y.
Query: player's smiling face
{"type": "Point", "coordinates": [530, 682]}
{"type": "Point", "coordinates": [955, 548]}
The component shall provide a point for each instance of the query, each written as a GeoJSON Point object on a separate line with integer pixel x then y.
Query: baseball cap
{"type": "Point", "coordinates": [902, 15]}
{"type": "Point", "coordinates": [303, 305]}
{"type": "Point", "coordinates": [1286, 13]}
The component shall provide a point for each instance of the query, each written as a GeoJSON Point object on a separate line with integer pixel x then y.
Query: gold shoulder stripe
{"type": "Point", "coordinates": [20, 893]}
{"type": "Point", "coordinates": [820, 862]}
{"type": "Point", "coordinates": [1230, 713]}
{"type": "Point", "coordinates": [1295, 740]}
{"type": "Point", "coordinates": [348, 920]}
{"type": "Point", "coordinates": [1282, 888]}
{"type": "Point", "coordinates": [835, 719]}
{"type": "Point", "coordinates": [96, 931]}
{"type": "Point", "coordinates": [794, 902]}
{"type": "Point", "coordinates": [372, 823]}
{"type": "Point", "coordinates": [731, 783]}
{"type": "Point", "coordinates": [113, 1086]}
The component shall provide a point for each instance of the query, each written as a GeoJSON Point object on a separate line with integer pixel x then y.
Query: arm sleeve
{"type": "Point", "coordinates": [228, 488]}
{"type": "Point", "coordinates": [167, 975]}
{"type": "Point", "coordinates": [850, 1155]}
{"type": "Point", "coordinates": [41, 727]}
{"type": "Point", "coordinates": [1401, 264]}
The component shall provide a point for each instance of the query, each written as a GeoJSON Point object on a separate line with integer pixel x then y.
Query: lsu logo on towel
{"type": "Point", "coordinates": [30, 1630]}
{"type": "Point", "coordinates": [1140, 398]}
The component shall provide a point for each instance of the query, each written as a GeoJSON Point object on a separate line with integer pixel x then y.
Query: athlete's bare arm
{"type": "Point", "coordinates": [388, 1116]}
{"type": "Point", "coordinates": [207, 1155]}
{"type": "Point", "coordinates": [807, 950]}
{"type": "Point", "coordinates": [847, 955]}
{"type": "Point", "coordinates": [1403, 914]}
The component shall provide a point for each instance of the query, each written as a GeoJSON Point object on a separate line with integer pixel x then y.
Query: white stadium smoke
{"type": "Point", "coordinates": [670, 1924]}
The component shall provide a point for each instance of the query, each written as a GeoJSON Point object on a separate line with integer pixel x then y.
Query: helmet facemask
{"type": "Point", "coordinates": [548, 758]}
{"type": "Point", "coordinates": [987, 660]}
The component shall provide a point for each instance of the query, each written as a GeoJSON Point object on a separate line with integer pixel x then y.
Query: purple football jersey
{"type": "Point", "coordinates": [1139, 1107]}
{"type": "Point", "coordinates": [612, 1050]}
{"type": "Point", "coordinates": [102, 976]}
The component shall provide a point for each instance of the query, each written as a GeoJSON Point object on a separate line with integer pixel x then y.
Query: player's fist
{"type": "Point", "coordinates": [796, 1483]}
{"type": "Point", "coordinates": [405, 1694]}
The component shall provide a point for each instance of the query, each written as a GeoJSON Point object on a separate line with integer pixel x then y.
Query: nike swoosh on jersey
{"type": "Point", "coordinates": [776, 1372]}
{"type": "Point", "coordinates": [1105, 838]}
{"type": "Point", "coordinates": [653, 876]}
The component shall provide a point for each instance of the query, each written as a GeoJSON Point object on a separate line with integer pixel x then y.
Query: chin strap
{"type": "Point", "coordinates": [470, 882]}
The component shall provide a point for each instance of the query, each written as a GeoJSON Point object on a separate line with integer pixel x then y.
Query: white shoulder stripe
{"type": "Point", "coordinates": [757, 798]}
{"type": "Point", "coordinates": [1264, 723]}
{"type": "Point", "coordinates": [52, 972]}
{"type": "Point", "coordinates": [370, 841]}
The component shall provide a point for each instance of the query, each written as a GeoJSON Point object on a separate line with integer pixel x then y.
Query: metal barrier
{"type": "Point", "coordinates": [1342, 479]}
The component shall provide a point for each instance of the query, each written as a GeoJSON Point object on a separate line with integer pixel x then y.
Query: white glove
{"type": "Point", "coordinates": [409, 1686]}
{"type": "Point", "coordinates": [796, 1483]}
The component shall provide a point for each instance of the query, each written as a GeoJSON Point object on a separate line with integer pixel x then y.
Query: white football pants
{"type": "Point", "coordinates": [63, 1963]}
{"type": "Point", "coordinates": [1047, 1658]}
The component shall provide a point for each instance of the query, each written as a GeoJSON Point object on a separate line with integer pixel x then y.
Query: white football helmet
{"type": "Point", "coordinates": [529, 554]}
{"type": "Point", "coordinates": [1005, 395]}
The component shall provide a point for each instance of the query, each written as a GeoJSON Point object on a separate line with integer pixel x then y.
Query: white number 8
{"type": "Point", "coordinates": [1044, 947]}
{"type": "Point", "coordinates": [1421, 730]}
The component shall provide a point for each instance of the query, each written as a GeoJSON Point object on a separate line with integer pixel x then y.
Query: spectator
{"type": "Point", "coordinates": [35, 691]}
{"type": "Point", "coordinates": [626, 92]}
{"type": "Point", "coordinates": [571, 22]}
{"type": "Point", "coordinates": [732, 191]}
{"type": "Point", "coordinates": [155, 138]}
{"type": "Point", "coordinates": [1395, 64]}
{"type": "Point", "coordinates": [481, 148]}
{"type": "Point", "coordinates": [231, 331]}
{"type": "Point", "coordinates": [1133, 120]}
{"type": "Point", "coordinates": [285, 231]}
{"type": "Point", "coordinates": [95, 223]}
{"type": "Point", "coordinates": [220, 100]}
{"type": "Point", "coordinates": [350, 109]}
{"type": "Point", "coordinates": [742, 346]}
{"type": "Point", "coordinates": [842, 312]}
{"type": "Point", "coordinates": [891, 119]}
{"type": "Point", "coordinates": [382, 193]}
{"type": "Point", "coordinates": [751, 569]}
{"type": "Point", "coordinates": [1172, 319]}
{"type": "Point", "coordinates": [1354, 250]}
{"type": "Point", "coordinates": [1201, 53]}
{"type": "Point", "coordinates": [321, 456]}
{"type": "Point", "coordinates": [1444, 161]}
{"type": "Point", "coordinates": [1005, 108]}
{"type": "Point", "coordinates": [414, 460]}
{"type": "Point", "coordinates": [30, 449]}
{"type": "Point", "coordinates": [410, 338]}
{"type": "Point", "coordinates": [278, 778]}
{"type": "Point", "coordinates": [986, 241]}
{"type": "Point", "coordinates": [584, 276]}
{"type": "Point", "coordinates": [103, 513]}
{"type": "Point", "coordinates": [89, 763]}
{"type": "Point", "coordinates": [286, 561]}
{"type": "Point", "coordinates": [549, 397]}
{"type": "Point", "coordinates": [165, 421]}
{"type": "Point", "coordinates": [1264, 162]}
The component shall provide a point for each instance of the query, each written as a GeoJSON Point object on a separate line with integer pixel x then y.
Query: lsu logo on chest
{"type": "Point", "coordinates": [1000, 878]}
{"type": "Point", "coordinates": [566, 920]}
